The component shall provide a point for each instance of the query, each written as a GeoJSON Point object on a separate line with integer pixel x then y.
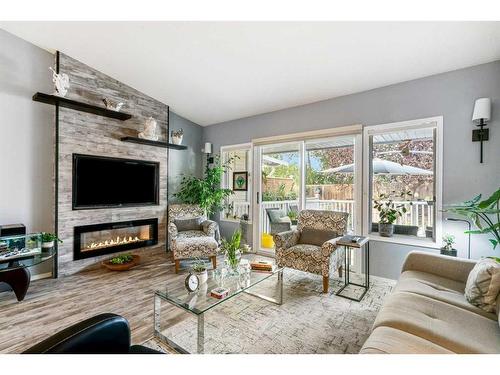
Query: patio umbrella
{"type": "Point", "coordinates": [272, 162]}
{"type": "Point", "coordinates": [381, 166]}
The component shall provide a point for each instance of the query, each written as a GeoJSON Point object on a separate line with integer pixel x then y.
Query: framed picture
{"type": "Point", "coordinates": [240, 181]}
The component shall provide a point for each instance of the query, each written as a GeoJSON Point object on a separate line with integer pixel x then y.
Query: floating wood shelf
{"type": "Point", "coordinates": [153, 143]}
{"type": "Point", "coordinates": [79, 106]}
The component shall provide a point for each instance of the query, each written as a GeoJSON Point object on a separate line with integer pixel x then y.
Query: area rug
{"type": "Point", "coordinates": [308, 321]}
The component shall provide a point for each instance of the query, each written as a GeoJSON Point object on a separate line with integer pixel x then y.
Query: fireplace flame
{"type": "Point", "coordinates": [113, 242]}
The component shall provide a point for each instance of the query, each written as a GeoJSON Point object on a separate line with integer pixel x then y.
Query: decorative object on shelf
{"type": "Point", "coordinates": [200, 269]}
{"type": "Point", "coordinates": [240, 181]}
{"type": "Point", "coordinates": [112, 105]}
{"type": "Point", "coordinates": [484, 214]}
{"type": "Point", "coordinates": [389, 211]}
{"type": "Point", "coordinates": [468, 231]}
{"type": "Point", "coordinates": [192, 282]}
{"type": "Point", "coordinates": [48, 240]}
{"type": "Point", "coordinates": [177, 136]}
{"type": "Point", "coordinates": [232, 251]}
{"type": "Point", "coordinates": [447, 248]}
{"type": "Point", "coordinates": [149, 131]}
{"type": "Point", "coordinates": [61, 83]}
{"type": "Point", "coordinates": [206, 192]}
{"type": "Point", "coordinates": [480, 116]}
{"type": "Point", "coordinates": [122, 262]}
{"type": "Point", "coordinates": [207, 150]}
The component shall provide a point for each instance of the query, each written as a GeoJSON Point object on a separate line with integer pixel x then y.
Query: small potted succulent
{"type": "Point", "coordinates": [389, 211]}
{"type": "Point", "coordinates": [447, 249]}
{"type": "Point", "coordinates": [177, 136]}
{"type": "Point", "coordinates": [48, 240]}
{"type": "Point", "coordinates": [122, 262]}
{"type": "Point", "coordinates": [200, 269]}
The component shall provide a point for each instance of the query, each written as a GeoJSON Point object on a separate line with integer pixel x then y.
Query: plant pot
{"type": "Point", "coordinates": [385, 229]}
{"type": "Point", "coordinates": [48, 244]}
{"type": "Point", "coordinates": [202, 276]}
{"type": "Point", "coordinates": [451, 253]}
{"type": "Point", "coordinates": [177, 140]}
{"type": "Point", "coordinates": [122, 267]}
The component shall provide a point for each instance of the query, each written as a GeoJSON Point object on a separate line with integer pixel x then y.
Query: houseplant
{"type": "Point", "coordinates": [206, 192]}
{"type": "Point", "coordinates": [293, 216]}
{"type": "Point", "coordinates": [200, 269]}
{"type": "Point", "coordinates": [389, 211]}
{"type": "Point", "coordinates": [177, 136]}
{"type": "Point", "coordinates": [447, 248]}
{"type": "Point", "coordinates": [232, 251]}
{"type": "Point", "coordinates": [48, 240]}
{"type": "Point", "coordinates": [122, 262]}
{"type": "Point", "coordinates": [485, 214]}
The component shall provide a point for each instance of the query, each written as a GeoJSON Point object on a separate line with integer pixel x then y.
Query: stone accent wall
{"type": "Point", "coordinates": [86, 133]}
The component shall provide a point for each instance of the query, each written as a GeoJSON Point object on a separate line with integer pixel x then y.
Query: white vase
{"type": "Point", "coordinates": [48, 244]}
{"type": "Point", "coordinates": [202, 276]}
{"type": "Point", "coordinates": [177, 140]}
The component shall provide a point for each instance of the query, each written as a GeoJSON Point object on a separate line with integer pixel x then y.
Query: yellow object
{"type": "Point", "coordinates": [267, 241]}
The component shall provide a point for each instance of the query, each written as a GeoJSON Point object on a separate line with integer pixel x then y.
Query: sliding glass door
{"type": "Point", "coordinates": [319, 174]}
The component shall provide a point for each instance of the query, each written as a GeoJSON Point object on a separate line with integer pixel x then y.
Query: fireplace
{"type": "Point", "coordinates": [99, 239]}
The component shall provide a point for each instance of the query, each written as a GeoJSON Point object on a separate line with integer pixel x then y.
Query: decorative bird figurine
{"type": "Point", "coordinates": [61, 83]}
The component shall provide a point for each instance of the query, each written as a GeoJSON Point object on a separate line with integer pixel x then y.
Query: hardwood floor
{"type": "Point", "coordinates": [54, 304]}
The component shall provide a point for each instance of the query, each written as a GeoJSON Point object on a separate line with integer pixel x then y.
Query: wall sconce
{"type": "Point", "coordinates": [480, 116]}
{"type": "Point", "coordinates": [207, 149]}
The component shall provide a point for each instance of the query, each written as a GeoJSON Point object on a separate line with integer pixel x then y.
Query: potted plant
{"type": "Point", "coordinates": [447, 248]}
{"type": "Point", "coordinates": [48, 240]}
{"type": "Point", "coordinates": [177, 136]}
{"type": "Point", "coordinates": [232, 251]}
{"type": "Point", "coordinates": [122, 262]}
{"type": "Point", "coordinates": [485, 214]}
{"type": "Point", "coordinates": [200, 269]}
{"type": "Point", "coordinates": [389, 211]}
{"type": "Point", "coordinates": [293, 216]}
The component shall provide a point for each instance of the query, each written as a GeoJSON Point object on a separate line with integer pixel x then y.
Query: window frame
{"type": "Point", "coordinates": [435, 123]}
{"type": "Point", "coordinates": [228, 184]}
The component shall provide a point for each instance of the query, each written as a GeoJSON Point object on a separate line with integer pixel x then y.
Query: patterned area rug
{"type": "Point", "coordinates": [307, 322]}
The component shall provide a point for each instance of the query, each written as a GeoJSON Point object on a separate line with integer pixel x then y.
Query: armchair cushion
{"type": "Point", "coordinates": [277, 215]}
{"type": "Point", "coordinates": [316, 237]}
{"type": "Point", "coordinates": [192, 223]}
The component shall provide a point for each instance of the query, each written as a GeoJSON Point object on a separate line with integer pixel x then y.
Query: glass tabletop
{"type": "Point", "coordinates": [200, 301]}
{"type": "Point", "coordinates": [23, 251]}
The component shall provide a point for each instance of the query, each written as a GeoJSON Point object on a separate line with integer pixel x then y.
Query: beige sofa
{"type": "Point", "coordinates": [428, 312]}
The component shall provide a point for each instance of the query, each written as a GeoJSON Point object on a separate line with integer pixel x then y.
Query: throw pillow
{"type": "Point", "coordinates": [193, 223]}
{"type": "Point", "coordinates": [316, 236]}
{"type": "Point", "coordinates": [483, 284]}
{"type": "Point", "coordinates": [276, 215]}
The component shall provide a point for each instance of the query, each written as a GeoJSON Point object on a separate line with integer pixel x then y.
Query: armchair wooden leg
{"type": "Point", "coordinates": [214, 261]}
{"type": "Point", "coordinates": [325, 284]}
{"type": "Point", "coordinates": [177, 262]}
{"type": "Point", "coordinates": [340, 271]}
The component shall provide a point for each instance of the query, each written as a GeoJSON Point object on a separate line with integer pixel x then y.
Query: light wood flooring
{"type": "Point", "coordinates": [54, 304]}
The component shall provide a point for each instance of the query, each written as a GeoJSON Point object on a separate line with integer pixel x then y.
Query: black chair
{"type": "Point", "coordinates": [101, 334]}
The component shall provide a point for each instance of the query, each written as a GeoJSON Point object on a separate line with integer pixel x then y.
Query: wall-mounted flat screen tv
{"type": "Point", "coordinates": [100, 182]}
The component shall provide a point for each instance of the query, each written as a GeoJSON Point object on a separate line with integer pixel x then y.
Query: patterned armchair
{"type": "Point", "coordinates": [191, 235]}
{"type": "Point", "coordinates": [312, 247]}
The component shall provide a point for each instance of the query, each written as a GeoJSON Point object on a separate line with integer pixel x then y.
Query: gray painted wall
{"type": "Point", "coordinates": [450, 94]}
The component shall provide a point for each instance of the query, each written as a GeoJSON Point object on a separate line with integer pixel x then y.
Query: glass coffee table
{"type": "Point", "coordinates": [199, 302]}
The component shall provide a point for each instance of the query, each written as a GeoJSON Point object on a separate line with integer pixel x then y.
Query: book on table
{"type": "Point", "coordinates": [261, 265]}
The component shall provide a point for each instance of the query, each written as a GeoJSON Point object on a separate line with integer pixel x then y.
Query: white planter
{"type": "Point", "coordinates": [177, 140]}
{"type": "Point", "coordinates": [48, 244]}
{"type": "Point", "coordinates": [202, 276]}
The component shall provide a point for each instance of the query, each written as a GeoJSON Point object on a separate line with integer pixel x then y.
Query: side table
{"type": "Point", "coordinates": [356, 242]}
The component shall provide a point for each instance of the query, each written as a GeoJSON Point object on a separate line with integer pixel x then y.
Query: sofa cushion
{"type": "Point", "coordinates": [303, 257]}
{"type": "Point", "coordinates": [439, 288]}
{"type": "Point", "coordinates": [483, 284]}
{"type": "Point", "coordinates": [192, 223]}
{"type": "Point", "coordinates": [278, 216]}
{"type": "Point", "coordinates": [387, 340]}
{"type": "Point", "coordinates": [316, 237]}
{"type": "Point", "coordinates": [454, 329]}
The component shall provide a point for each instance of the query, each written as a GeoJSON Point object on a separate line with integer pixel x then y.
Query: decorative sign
{"type": "Point", "coordinates": [240, 181]}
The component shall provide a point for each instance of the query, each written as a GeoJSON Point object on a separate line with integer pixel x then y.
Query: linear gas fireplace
{"type": "Point", "coordinates": [99, 239]}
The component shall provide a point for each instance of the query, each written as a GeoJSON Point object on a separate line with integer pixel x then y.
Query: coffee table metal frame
{"type": "Point", "coordinates": [201, 314]}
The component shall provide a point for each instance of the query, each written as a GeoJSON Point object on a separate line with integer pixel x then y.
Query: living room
{"type": "Point", "coordinates": [269, 188]}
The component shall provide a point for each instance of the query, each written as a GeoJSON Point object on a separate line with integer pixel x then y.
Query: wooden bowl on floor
{"type": "Point", "coordinates": [122, 267]}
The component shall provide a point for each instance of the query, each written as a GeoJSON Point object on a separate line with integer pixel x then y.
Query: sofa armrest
{"type": "Point", "coordinates": [457, 269]}
{"type": "Point", "coordinates": [211, 228]}
{"type": "Point", "coordinates": [329, 246]}
{"type": "Point", "coordinates": [172, 231]}
{"type": "Point", "coordinates": [284, 240]}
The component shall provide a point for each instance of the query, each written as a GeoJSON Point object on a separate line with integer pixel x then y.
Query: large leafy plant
{"type": "Point", "coordinates": [388, 209]}
{"type": "Point", "coordinates": [485, 214]}
{"type": "Point", "coordinates": [207, 191]}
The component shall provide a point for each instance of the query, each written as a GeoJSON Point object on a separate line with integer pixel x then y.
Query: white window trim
{"type": "Point", "coordinates": [237, 147]}
{"type": "Point", "coordinates": [431, 122]}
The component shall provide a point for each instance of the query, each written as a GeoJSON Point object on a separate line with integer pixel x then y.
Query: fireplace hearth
{"type": "Point", "coordinates": [100, 239]}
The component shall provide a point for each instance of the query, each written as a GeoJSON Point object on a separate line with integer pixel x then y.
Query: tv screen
{"type": "Point", "coordinates": [112, 182]}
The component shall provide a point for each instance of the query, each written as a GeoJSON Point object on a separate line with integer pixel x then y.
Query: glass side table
{"type": "Point", "coordinates": [17, 253]}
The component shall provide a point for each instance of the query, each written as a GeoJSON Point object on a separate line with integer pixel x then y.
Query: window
{"type": "Point", "coordinates": [238, 179]}
{"type": "Point", "coordinates": [403, 164]}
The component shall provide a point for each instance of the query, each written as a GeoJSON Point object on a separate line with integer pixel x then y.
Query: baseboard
{"type": "Point", "coordinates": [41, 276]}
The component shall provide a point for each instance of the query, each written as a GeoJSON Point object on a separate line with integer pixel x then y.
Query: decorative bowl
{"type": "Point", "coordinates": [124, 266]}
